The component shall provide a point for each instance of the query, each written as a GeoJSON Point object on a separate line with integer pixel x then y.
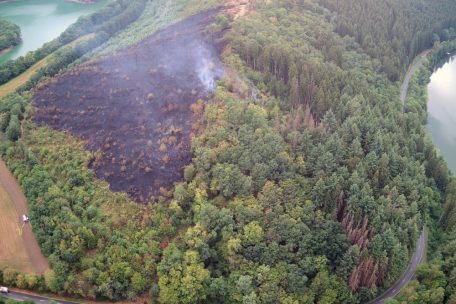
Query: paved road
{"type": "Point", "coordinates": [422, 241]}
{"type": "Point", "coordinates": [39, 262]}
{"type": "Point", "coordinates": [409, 273]}
{"type": "Point", "coordinates": [410, 73]}
{"type": "Point", "coordinates": [18, 296]}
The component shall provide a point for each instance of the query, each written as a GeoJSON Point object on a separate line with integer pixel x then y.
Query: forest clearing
{"type": "Point", "coordinates": [12, 246]}
{"type": "Point", "coordinates": [18, 247]}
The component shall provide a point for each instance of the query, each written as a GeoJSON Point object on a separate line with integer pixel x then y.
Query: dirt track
{"type": "Point", "coordinates": [8, 181]}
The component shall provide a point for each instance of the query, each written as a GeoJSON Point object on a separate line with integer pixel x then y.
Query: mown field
{"type": "Point", "coordinates": [13, 252]}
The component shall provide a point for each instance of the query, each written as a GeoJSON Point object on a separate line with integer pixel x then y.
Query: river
{"type": "Point", "coordinates": [442, 111]}
{"type": "Point", "coordinates": [41, 20]}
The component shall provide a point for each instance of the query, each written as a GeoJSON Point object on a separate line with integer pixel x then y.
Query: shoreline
{"type": "Point", "coordinates": [7, 50]}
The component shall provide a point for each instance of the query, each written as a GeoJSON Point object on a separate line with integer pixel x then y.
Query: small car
{"type": "Point", "coordinates": [3, 289]}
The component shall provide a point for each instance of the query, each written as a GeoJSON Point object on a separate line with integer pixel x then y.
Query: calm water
{"type": "Point", "coordinates": [41, 20]}
{"type": "Point", "coordinates": [442, 111]}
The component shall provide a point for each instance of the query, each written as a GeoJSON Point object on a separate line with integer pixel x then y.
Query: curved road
{"type": "Point", "coordinates": [422, 241]}
{"type": "Point", "coordinates": [390, 293]}
{"type": "Point", "coordinates": [409, 75]}
{"type": "Point", "coordinates": [409, 273]}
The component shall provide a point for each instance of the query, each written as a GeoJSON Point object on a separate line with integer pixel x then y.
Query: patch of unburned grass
{"type": "Point", "coordinates": [157, 15]}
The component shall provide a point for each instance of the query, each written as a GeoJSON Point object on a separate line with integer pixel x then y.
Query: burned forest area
{"type": "Point", "coordinates": [139, 108]}
{"type": "Point", "coordinates": [246, 152]}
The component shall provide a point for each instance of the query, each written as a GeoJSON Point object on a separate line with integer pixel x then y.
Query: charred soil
{"type": "Point", "coordinates": [135, 107]}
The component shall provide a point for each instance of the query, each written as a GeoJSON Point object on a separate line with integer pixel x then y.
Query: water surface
{"type": "Point", "coordinates": [442, 111]}
{"type": "Point", "coordinates": [41, 20]}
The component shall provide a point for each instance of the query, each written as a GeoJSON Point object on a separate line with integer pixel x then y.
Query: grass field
{"type": "Point", "coordinates": [14, 83]}
{"type": "Point", "coordinates": [20, 80]}
{"type": "Point", "coordinates": [12, 246]}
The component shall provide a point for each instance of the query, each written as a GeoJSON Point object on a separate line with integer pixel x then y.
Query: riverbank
{"type": "Point", "coordinates": [23, 78]}
{"type": "Point", "coordinates": [10, 36]}
{"type": "Point", "coordinates": [42, 21]}
{"type": "Point", "coordinates": [439, 93]}
{"type": "Point", "coordinates": [441, 221]}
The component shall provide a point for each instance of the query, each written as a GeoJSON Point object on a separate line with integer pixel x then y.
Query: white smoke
{"type": "Point", "coordinates": [208, 68]}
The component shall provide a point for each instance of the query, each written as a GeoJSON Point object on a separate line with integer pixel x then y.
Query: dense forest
{"type": "Point", "coordinates": [10, 34]}
{"type": "Point", "coordinates": [317, 195]}
{"type": "Point", "coordinates": [434, 282]}
{"type": "Point", "coordinates": [308, 184]}
{"type": "Point", "coordinates": [394, 31]}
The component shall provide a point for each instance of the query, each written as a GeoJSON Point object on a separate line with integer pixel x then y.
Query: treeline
{"type": "Point", "coordinates": [101, 23]}
{"type": "Point", "coordinates": [63, 57]}
{"type": "Point", "coordinates": [438, 57]}
{"type": "Point", "coordinates": [394, 31]}
{"type": "Point", "coordinates": [11, 113]}
{"type": "Point", "coordinates": [10, 34]}
{"type": "Point", "coordinates": [130, 12]}
{"type": "Point", "coordinates": [12, 278]}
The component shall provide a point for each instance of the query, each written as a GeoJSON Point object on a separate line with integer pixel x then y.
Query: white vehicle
{"type": "Point", "coordinates": [25, 218]}
{"type": "Point", "coordinates": [3, 289]}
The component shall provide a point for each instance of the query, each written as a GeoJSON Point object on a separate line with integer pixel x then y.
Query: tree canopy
{"type": "Point", "coordinates": [308, 183]}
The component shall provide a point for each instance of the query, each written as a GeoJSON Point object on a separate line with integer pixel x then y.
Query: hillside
{"type": "Point", "coordinates": [144, 151]}
{"type": "Point", "coordinates": [234, 152]}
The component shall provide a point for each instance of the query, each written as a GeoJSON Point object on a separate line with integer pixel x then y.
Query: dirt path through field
{"type": "Point", "coordinates": [8, 182]}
